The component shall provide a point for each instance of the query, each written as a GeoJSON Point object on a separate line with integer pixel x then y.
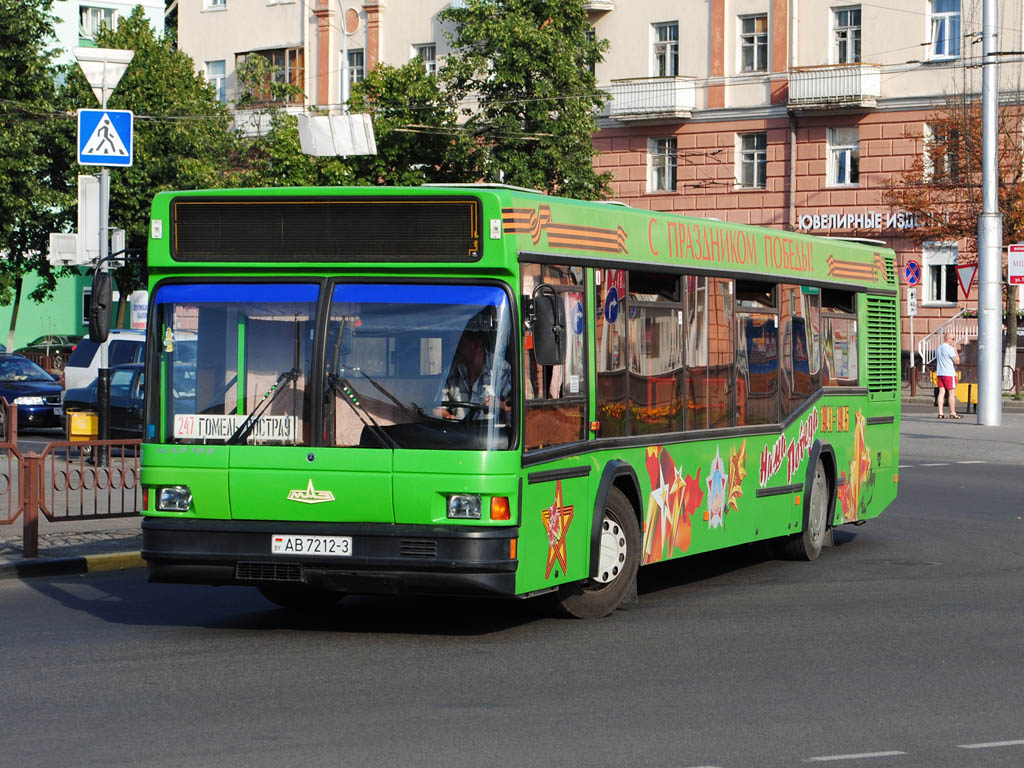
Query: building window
{"type": "Point", "coordinates": [941, 153]}
{"type": "Point", "coordinates": [843, 156]}
{"type": "Point", "coordinates": [215, 5]}
{"type": "Point", "coordinates": [940, 286]}
{"type": "Point", "coordinates": [661, 170]}
{"type": "Point", "coordinates": [753, 160]}
{"type": "Point", "coordinates": [91, 19]}
{"type": "Point", "coordinates": [666, 49]}
{"type": "Point", "coordinates": [287, 67]}
{"type": "Point", "coordinates": [754, 43]}
{"type": "Point", "coordinates": [591, 34]}
{"type": "Point", "coordinates": [847, 35]}
{"type": "Point", "coordinates": [944, 20]}
{"type": "Point", "coordinates": [356, 66]}
{"type": "Point", "coordinates": [215, 74]}
{"type": "Point", "coordinates": [427, 53]}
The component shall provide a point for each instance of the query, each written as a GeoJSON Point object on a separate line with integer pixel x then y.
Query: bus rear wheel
{"type": "Point", "coordinates": [301, 599]}
{"type": "Point", "coordinates": [618, 562]}
{"type": "Point", "coordinates": [807, 544]}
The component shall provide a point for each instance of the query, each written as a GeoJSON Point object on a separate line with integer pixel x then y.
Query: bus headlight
{"type": "Point", "coordinates": [464, 506]}
{"type": "Point", "coordinates": [174, 498]}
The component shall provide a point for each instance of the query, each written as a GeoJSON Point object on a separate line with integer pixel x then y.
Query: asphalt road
{"type": "Point", "coordinates": [901, 646]}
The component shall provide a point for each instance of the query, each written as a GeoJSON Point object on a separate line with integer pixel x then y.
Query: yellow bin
{"type": "Point", "coordinates": [82, 425]}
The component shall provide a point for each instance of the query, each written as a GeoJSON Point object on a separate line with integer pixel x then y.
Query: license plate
{"type": "Point", "coordinates": [328, 546]}
{"type": "Point", "coordinates": [58, 411]}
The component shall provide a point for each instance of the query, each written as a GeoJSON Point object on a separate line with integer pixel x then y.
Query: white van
{"type": "Point", "coordinates": [123, 346]}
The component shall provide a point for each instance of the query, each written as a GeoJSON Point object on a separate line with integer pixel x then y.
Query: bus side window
{"type": "Point", "coordinates": [757, 353]}
{"type": "Point", "coordinates": [556, 395]}
{"type": "Point", "coordinates": [839, 338]}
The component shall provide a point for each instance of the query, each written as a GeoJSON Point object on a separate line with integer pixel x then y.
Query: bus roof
{"type": "Point", "coordinates": [460, 225]}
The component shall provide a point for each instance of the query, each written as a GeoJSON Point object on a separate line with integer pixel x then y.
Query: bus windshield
{"type": "Point", "coordinates": [245, 379]}
{"type": "Point", "coordinates": [419, 366]}
{"type": "Point", "coordinates": [404, 365]}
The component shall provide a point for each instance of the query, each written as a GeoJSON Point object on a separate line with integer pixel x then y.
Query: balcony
{"type": "Point", "coordinates": [651, 98]}
{"type": "Point", "coordinates": [838, 85]}
{"type": "Point", "coordinates": [598, 6]}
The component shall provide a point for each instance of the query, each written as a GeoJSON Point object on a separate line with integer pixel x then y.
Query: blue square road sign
{"type": "Point", "coordinates": [105, 137]}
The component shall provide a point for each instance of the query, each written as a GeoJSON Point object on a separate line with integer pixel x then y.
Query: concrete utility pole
{"type": "Point", "coordinates": [990, 234]}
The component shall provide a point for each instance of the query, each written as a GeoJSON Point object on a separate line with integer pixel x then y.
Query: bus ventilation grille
{"type": "Point", "coordinates": [267, 572]}
{"type": "Point", "coordinates": [417, 548]}
{"type": "Point", "coordinates": [883, 355]}
{"type": "Point", "coordinates": [890, 270]}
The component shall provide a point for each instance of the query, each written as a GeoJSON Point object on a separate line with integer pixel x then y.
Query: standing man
{"type": "Point", "coordinates": [946, 357]}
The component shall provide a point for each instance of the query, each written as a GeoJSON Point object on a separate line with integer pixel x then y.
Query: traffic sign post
{"type": "Point", "coordinates": [912, 272]}
{"type": "Point", "coordinates": [911, 314]}
{"type": "Point", "coordinates": [1015, 263]}
{"type": "Point", "coordinates": [106, 137]}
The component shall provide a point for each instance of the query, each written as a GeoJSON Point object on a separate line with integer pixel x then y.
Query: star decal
{"type": "Point", "coordinates": [557, 519]}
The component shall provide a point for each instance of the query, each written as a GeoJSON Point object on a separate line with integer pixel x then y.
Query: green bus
{"type": "Point", "coordinates": [484, 390]}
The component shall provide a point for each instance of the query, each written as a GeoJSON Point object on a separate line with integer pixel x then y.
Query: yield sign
{"type": "Point", "coordinates": [966, 277]}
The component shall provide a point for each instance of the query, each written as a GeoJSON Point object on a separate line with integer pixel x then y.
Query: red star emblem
{"type": "Point", "coordinates": [557, 519]}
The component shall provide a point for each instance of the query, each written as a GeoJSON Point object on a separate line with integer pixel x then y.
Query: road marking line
{"type": "Point", "coordinates": [861, 756]}
{"type": "Point", "coordinates": [991, 744]}
{"type": "Point", "coordinates": [971, 462]}
{"type": "Point", "coordinates": [939, 464]}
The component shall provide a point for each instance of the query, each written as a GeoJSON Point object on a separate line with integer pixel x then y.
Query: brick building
{"type": "Point", "coordinates": [786, 113]}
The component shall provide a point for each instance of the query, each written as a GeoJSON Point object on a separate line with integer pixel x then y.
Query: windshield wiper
{"type": "Point", "coordinates": [268, 397]}
{"type": "Point", "coordinates": [343, 389]}
{"type": "Point", "coordinates": [380, 387]}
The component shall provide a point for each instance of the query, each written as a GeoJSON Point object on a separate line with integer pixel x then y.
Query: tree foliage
{"type": "Point", "coordinates": [943, 187]}
{"type": "Point", "coordinates": [524, 67]}
{"type": "Point", "coordinates": [415, 124]}
{"type": "Point", "coordinates": [30, 192]}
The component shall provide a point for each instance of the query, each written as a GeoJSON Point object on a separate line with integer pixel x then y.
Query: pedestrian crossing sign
{"type": "Point", "coordinates": [105, 137]}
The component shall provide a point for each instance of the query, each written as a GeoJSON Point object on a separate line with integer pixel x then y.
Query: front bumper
{"type": "Point", "coordinates": [386, 559]}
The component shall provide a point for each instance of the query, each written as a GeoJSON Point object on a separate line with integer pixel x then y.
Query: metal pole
{"type": "Point", "coordinates": [103, 375]}
{"type": "Point", "coordinates": [990, 235]}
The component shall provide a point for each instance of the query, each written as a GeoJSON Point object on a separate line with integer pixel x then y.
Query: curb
{"type": "Point", "coordinates": [62, 566]}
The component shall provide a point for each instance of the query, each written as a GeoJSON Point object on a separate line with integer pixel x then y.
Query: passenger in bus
{"type": "Point", "coordinates": [471, 380]}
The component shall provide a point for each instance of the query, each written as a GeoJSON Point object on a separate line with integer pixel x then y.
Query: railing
{"type": "Point", "coordinates": [964, 329]}
{"type": "Point", "coordinates": [839, 84]}
{"type": "Point", "coordinates": [651, 97]}
{"type": "Point", "coordinates": [80, 480]}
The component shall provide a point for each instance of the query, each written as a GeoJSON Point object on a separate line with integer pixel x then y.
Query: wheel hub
{"type": "Point", "coordinates": [613, 552]}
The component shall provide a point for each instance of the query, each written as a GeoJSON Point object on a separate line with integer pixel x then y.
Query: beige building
{"type": "Point", "coordinates": [786, 113]}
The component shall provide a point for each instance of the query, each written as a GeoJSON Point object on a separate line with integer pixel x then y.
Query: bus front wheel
{"type": "Point", "coordinates": [807, 544]}
{"type": "Point", "coordinates": [618, 562]}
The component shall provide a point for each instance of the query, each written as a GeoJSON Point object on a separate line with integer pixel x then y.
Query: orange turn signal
{"type": "Point", "coordinates": [500, 509]}
{"type": "Point", "coordinates": [512, 549]}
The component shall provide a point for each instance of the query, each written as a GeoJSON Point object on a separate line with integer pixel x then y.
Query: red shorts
{"type": "Point", "coordinates": [946, 382]}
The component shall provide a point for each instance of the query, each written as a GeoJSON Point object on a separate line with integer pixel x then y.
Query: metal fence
{"type": "Point", "coordinates": [69, 480]}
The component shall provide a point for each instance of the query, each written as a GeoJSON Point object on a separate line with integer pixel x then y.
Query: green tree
{"type": "Point", "coordinates": [415, 123]}
{"type": "Point", "coordinates": [31, 197]}
{"type": "Point", "coordinates": [182, 132]}
{"type": "Point", "coordinates": [525, 67]}
{"type": "Point", "coordinates": [267, 150]}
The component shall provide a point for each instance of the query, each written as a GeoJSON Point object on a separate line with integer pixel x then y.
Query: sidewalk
{"type": "Point", "coordinates": [73, 547]}
{"type": "Point", "coordinates": [113, 544]}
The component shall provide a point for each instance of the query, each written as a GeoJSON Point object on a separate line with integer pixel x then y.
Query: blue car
{"type": "Point", "coordinates": [36, 393]}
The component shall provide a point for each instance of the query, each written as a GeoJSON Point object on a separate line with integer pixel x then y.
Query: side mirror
{"type": "Point", "coordinates": [548, 326]}
{"type": "Point", "coordinates": [99, 309]}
